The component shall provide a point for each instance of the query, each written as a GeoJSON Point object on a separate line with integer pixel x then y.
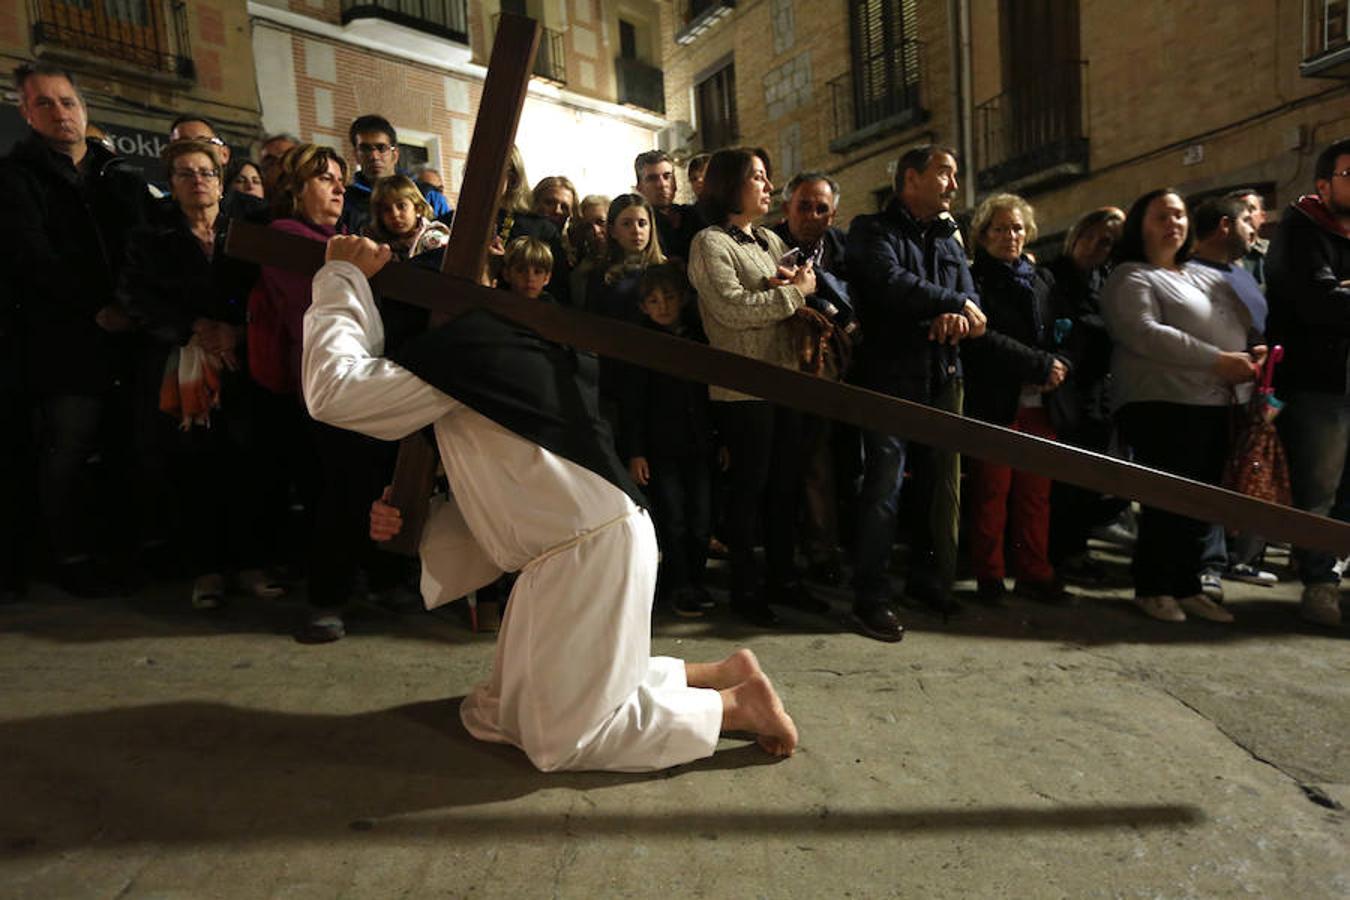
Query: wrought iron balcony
{"type": "Point", "coordinates": [877, 98]}
{"type": "Point", "coordinates": [443, 18]}
{"type": "Point", "coordinates": [152, 34]}
{"type": "Point", "coordinates": [640, 84]}
{"type": "Point", "coordinates": [1035, 133]}
{"type": "Point", "coordinates": [1326, 39]}
{"type": "Point", "coordinates": [551, 60]}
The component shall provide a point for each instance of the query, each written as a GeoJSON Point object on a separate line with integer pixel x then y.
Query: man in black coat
{"type": "Point", "coordinates": [1308, 287]}
{"type": "Point", "coordinates": [676, 223]}
{"type": "Point", "coordinates": [832, 453]}
{"type": "Point", "coordinates": [70, 203]}
{"type": "Point", "coordinates": [916, 300]}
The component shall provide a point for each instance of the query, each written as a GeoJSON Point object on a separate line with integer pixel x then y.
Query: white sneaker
{"type": "Point", "coordinates": [1162, 607]}
{"type": "Point", "coordinates": [1321, 604]}
{"type": "Point", "coordinates": [1211, 586]}
{"type": "Point", "coordinates": [1205, 608]}
{"type": "Point", "coordinates": [1251, 575]}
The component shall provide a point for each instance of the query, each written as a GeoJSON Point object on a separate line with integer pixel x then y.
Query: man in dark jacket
{"type": "Point", "coordinates": [376, 146]}
{"type": "Point", "coordinates": [916, 300]}
{"type": "Point", "coordinates": [811, 201]}
{"type": "Point", "coordinates": [70, 204]}
{"type": "Point", "coordinates": [676, 223]}
{"type": "Point", "coordinates": [1308, 287]}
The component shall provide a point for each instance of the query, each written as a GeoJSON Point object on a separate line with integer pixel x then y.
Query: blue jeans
{"type": "Point", "coordinates": [1316, 431]}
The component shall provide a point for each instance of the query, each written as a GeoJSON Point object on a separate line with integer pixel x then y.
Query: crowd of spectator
{"type": "Point", "coordinates": [169, 435]}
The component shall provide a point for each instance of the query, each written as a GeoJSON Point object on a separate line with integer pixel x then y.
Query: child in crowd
{"type": "Point", "coordinates": [402, 218]}
{"type": "Point", "coordinates": [668, 442]}
{"type": "Point", "coordinates": [613, 290]}
{"type": "Point", "coordinates": [526, 267]}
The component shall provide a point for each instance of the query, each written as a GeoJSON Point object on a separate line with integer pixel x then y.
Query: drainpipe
{"type": "Point", "coordinates": [962, 78]}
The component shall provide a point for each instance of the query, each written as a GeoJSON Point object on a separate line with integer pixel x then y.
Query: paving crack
{"type": "Point", "coordinates": [1311, 792]}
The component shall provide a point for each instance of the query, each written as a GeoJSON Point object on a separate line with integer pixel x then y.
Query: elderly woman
{"type": "Point", "coordinates": [1010, 373]}
{"type": "Point", "coordinates": [586, 240]}
{"type": "Point", "coordinates": [1182, 358]}
{"type": "Point", "coordinates": [747, 299]}
{"type": "Point", "coordinates": [189, 298]}
{"type": "Point", "coordinates": [1080, 272]}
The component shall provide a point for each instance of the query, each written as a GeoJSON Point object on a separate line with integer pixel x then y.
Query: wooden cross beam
{"type": "Point", "coordinates": [866, 409]}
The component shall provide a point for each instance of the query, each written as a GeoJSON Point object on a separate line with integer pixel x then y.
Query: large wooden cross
{"type": "Point", "coordinates": [456, 291]}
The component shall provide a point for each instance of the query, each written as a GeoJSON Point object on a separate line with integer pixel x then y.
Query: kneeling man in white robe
{"type": "Point", "coordinates": [573, 683]}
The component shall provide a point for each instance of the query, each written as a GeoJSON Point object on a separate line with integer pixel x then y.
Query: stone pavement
{"type": "Point", "coordinates": [147, 750]}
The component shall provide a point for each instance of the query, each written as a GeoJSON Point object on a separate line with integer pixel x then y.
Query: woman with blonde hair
{"type": "Point", "coordinates": [555, 198]}
{"type": "Point", "coordinates": [516, 218]}
{"type": "Point", "coordinates": [1012, 373]}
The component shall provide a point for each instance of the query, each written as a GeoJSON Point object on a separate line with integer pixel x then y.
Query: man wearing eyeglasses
{"type": "Point", "coordinates": [1308, 288]}
{"type": "Point", "coordinates": [69, 205]}
{"type": "Point", "coordinates": [376, 146]}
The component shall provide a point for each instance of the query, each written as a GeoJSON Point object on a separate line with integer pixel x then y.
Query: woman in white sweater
{"type": "Point", "coordinates": [747, 295]}
{"type": "Point", "coordinates": [1182, 358]}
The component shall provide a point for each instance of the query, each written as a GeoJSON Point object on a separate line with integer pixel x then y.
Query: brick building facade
{"type": "Point", "coordinates": [1073, 103]}
{"type": "Point", "coordinates": [321, 63]}
{"type": "Point", "coordinates": [140, 65]}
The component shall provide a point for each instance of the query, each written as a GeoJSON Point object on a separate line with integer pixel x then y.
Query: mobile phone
{"type": "Point", "coordinates": [792, 258]}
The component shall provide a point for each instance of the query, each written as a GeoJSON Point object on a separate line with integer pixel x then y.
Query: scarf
{"type": "Point", "coordinates": [191, 386]}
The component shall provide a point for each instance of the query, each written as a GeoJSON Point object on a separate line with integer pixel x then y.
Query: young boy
{"type": "Point", "coordinates": [668, 442]}
{"type": "Point", "coordinates": [527, 267]}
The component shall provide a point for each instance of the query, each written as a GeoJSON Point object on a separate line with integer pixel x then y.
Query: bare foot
{"type": "Point", "coordinates": [726, 673]}
{"type": "Point", "coordinates": [753, 706]}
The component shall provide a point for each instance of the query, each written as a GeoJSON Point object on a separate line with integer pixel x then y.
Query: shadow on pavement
{"type": "Point", "coordinates": [202, 772]}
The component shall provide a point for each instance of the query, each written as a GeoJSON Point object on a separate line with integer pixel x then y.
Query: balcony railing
{"type": "Point", "coordinates": [551, 60]}
{"type": "Point", "coordinates": [443, 18]}
{"type": "Point", "coordinates": [1036, 132]}
{"type": "Point", "coordinates": [640, 84]}
{"type": "Point", "coordinates": [877, 98]}
{"type": "Point", "coordinates": [151, 34]}
{"type": "Point", "coordinates": [700, 15]}
{"type": "Point", "coordinates": [1326, 38]}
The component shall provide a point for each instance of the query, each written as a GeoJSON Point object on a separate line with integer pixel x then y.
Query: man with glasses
{"type": "Point", "coordinates": [1308, 288]}
{"type": "Point", "coordinates": [376, 146]}
{"type": "Point", "coordinates": [69, 204]}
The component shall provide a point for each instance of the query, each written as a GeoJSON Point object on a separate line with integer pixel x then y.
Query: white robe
{"type": "Point", "coordinates": [573, 683]}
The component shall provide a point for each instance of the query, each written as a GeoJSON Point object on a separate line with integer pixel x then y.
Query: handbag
{"type": "Point", "coordinates": [1256, 464]}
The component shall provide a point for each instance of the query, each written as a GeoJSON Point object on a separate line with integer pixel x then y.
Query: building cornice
{"type": "Point", "coordinates": [417, 50]}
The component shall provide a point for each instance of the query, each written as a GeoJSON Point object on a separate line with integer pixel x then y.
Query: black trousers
{"type": "Point", "coordinates": [764, 442]}
{"type": "Point", "coordinates": [1191, 441]}
{"type": "Point", "coordinates": [354, 470]}
{"type": "Point", "coordinates": [681, 495]}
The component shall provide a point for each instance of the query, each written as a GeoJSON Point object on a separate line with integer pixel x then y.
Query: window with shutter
{"type": "Point", "coordinates": [885, 59]}
{"type": "Point", "coordinates": [716, 108]}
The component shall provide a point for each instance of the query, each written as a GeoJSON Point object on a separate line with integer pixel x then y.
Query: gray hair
{"type": "Point", "coordinates": [802, 178]}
